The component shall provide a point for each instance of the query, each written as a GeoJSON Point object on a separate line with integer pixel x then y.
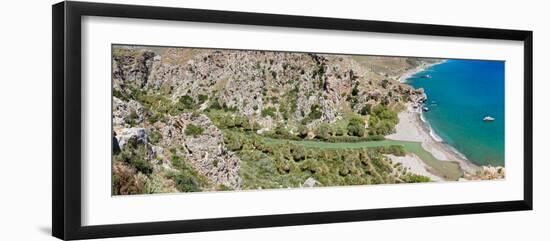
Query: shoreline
{"type": "Point", "coordinates": [413, 127]}
{"type": "Point", "coordinates": [418, 69]}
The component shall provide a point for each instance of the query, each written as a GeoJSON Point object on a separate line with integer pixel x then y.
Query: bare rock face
{"type": "Point", "coordinates": [127, 133]}
{"type": "Point", "coordinates": [126, 113]}
{"type": "Point", "coordinates": [207, 153]}
{"type": "Point", "coordinates": [249, 82]}
{"type": "Point", "coordinates": [131, 66]}
{"type": "Point", "coordinates": [310, 182]}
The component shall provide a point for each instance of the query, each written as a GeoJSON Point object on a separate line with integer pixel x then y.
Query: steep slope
{"type": "Point", "coordinates": [188, 100]}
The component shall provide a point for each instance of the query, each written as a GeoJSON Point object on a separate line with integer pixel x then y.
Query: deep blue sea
{"type": "Point", "coordinates": [460, 94]}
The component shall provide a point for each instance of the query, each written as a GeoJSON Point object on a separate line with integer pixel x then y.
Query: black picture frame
{"type": "Point", "coordinates": [66, 127]}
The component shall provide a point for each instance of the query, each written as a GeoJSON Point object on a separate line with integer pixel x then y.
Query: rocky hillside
{"type": "Point", "coordinates": [282, 86]}
{"type": "Point", "coordinates": [175, 104]}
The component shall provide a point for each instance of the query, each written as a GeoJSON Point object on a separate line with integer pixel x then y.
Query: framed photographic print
{"type": "Point", "coordinates": [169, 120]}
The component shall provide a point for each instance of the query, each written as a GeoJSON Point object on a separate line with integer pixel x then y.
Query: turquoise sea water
{"type": "Point", "coordinates": [460, 94]}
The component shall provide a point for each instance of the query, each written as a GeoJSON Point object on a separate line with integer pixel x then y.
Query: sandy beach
{"type": "Point", "coordinates": [415, 165]}
{"type": "Point", "coordinates": [412, 128]}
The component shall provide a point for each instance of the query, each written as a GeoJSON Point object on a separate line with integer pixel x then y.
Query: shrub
{"type": "Point", "coordinates": [156, 117]}
{"type": "Point", "coordinates": [202, 98]}
{"type": "Point", "coordinates": [186, 178]}
{"type": "Point", "coordinates": [176, 161]}
{"type": "Point", "coordinates": [134, 154]}
{"type": "Point", "coordinates": [132, 118]}
{"type": "Point", "coordinates": [222, 187]}
{"type": "Point", "coordinates": [384, 83]}
{"type": "Point", "coordinates": [413, 178]}
{"type": "Point", "coordinates": [314, 113]}
{"type": "Point", "coordinates": [281, 131]}
{"type": "Point", "coordinates": [396, 150]}
{"type": "Point", "coordinates": [298, 152]}
{"type": "Point", "coordinates": [215, 105]}
{"type": "Point", "coordinates": [302, 131]}
{"type": "Point", "coordinates": [365, 110]}
{"type": "Point", "coordinates": [382, 120]}
{"type": "Point", "coordinates": [142, 165]}
{"type": "Point", "coordinates": [339, 131]}
{"type": "Point", "coordinates": [126, 181]}
{"type": "Point", "coordinates": [323, 131]}
{"type": "Point", "coordinates": [256, 126]}
{"type": "Point", "coordinates": [185, 103]}
{"type": "Point", "coordinates": [193, 130]}
{"type": "Point", "coordinates": [269, 111]}
{"type": "Point", "coordinates": [240, 121]}
{"type": "Point", "coordinates": [233, 141]}
{"type": "Point", "coordinates": [186, 182]}
{"type": "Point", "coordinates": [154, 137]}
{"type": "Point", "coordinates": [118, 94]}
{"type": "Point", "coordinates": [355, 90]}
{"type": "Point", "coordinates": [356, 127]}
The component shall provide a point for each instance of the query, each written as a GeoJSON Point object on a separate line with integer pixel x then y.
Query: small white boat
{"type": "Point", "coordinates": [488, 118]}
{"type": "Point", "coordinates": [425, 109]}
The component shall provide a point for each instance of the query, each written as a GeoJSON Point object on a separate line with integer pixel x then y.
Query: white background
{"type": "Point", "coordinates": [25, 101]}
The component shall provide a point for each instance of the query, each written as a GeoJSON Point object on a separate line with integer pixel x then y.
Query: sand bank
{"type": "Point", "coordinates": [415, 165]}
{"type": "Point", "coordinates": [412, 128]}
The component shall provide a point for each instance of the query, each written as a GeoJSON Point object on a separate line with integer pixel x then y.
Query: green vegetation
{"type": "Point", "coordinates": [446, 169]}
{"type": "Point", "coordinates": [276, 163]}
{"type": "Point", "coordinates": [314, 113]}
{"type": "Point", "coordinates": [202, 98]}
{"type": "Point", "coordinates": [193, 130]}
{"type": "Point", "coordinates": [289, 103]}
{"type": "Point", "coordinates": [132, 118]}
{"type": "Point", "coordinates": [118, 94]}
{"type": "Point", "coordinates": [355, 90]}
{"type": "Point", "coordinates": [349, 129]}
{"type": "Point", "coordinates": [186, 103]}
{"type": "Point", "coordinates": [154, 137]}
{"type": "Point", "coordinates": [136, 175]}
{"type": "Point", "coordinates": [269, 111]}
{"type": "Point", "coordinates": [134, 155]}
{"type": "Point", "coordinates": [382, 120]}
{"type": "Point", "coordinates": [186, 178]}
{"type": "Point", "coordinates": [356, 127]}
{"type": "Point", "coordinates": [227, 120]}
{"type": "Point", "coordinates": [413, 178]}
{"type": "Point", "coordinates": [365, 110]}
